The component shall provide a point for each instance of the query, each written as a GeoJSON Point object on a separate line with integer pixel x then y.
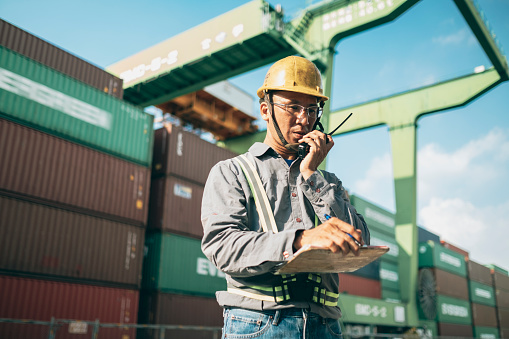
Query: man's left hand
{"type": "Point", "coordinates": [318, 150]}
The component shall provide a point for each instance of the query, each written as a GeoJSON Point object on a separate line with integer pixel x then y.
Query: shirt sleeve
{"type": "Point", "coordinates": [228, 241]}
{"type": "Point", "coordinates": [328, 196]}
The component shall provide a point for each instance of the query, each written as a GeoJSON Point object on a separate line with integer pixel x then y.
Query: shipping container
{"type": "Point", "coordinates": [370, 271]}
{"type": "Point", "coordinates": [495, 268]}
{"type": "Point", "coordinates": [40, 165]}
{"type": "Point", "coordinates": [185, 155]}
{"type": "Point", "coordinates": [424, 235]}
{"type": "Point", "coordinates": [500, 281]}
{"type": "Point", "coordinates": [454, 330]}
{"type": "Point", "coordinates": [391, 295]}
{"type": "Point", "coordinates": [481, 294]}
{"type": "Point", "coordinates": [433, 255]}
{"type": "Point", "coordinates": [40, 97]}
{"type": "Point", "coordinates": [486, 332]}
{"type": "Point", "coordinates": [380, 239]}
{"type": "Point", "coordinates": [177, 309]}
{"type": "Point", "coordinates": [389, 275]}
{"type": "Point", "coordinates": [502, 298]}
{"type": "Point", "coordinates": [479, 273]}
{"type": "Point", "coordinates": [360, 310]}
{"type": "Point", "coordinates": [376, 217]}
{"type": "Point", "coordinates": [175, 206]}
{"type": "Point", "coordinates": [447, 310]}
{"type": "Point", "coordinates": [41, 240]}
{"type": "Point", "coordinates": [503, 316]}
{"type": "Point", "coordinates": [33, 47]}
{"type": "Point", "coordinates": [483, 315]}
{"type": "Point", "coordinates": [450, 284]}
{"type": "Point", "coordinates": [359, 286]}
{"type": "Point", "coordinates": [454, 248]}
{"type": "Point", "coordinates": [176, 264]}
{"type": "Point", "coordinates": [504, 332]}
{"type": "Point", "coordinates": [43, 299]}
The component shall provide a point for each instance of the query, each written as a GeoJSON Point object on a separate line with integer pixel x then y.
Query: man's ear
{"type": "Point", "coordinates": [264, 111]}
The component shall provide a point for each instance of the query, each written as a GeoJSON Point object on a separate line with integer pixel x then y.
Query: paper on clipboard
{"type": "Point", "coordinates": [314, 259]}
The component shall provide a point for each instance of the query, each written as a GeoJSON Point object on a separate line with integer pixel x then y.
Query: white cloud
{"type": "Point", "coordinates": [377, 185]}
{"type": "Point", "coordinates": [455, 38]}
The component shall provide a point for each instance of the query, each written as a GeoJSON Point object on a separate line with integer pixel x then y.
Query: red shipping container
{"type": "Point", "coordinates": [184, 154]}
{"type": "Point", "coordinates": [42, 240]}
{"type": "Point", "coordinates": [454, 248]}
{"type": "Point", "coordinates": [479, 273]}
{"type": "Point", "coordinates": [483, 315]}
{"type": "Point", "coordinates": [64, 173]}
{"type": "Point", "coordinates": [450, 284]}
{"type": "Point", "coordinates": [455, 330]}
{"type": "Point", "coordinates": [175, 206]}
{"type": "Point", "coordinates": [363, 287]}
{"type": "Point", "coordinates": [43, 299]}
{"type": "Point", "coordinates": [500, 280]}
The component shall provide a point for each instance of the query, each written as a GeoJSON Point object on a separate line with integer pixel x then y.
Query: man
{"type": "Point", "coordinates": [247, 240]}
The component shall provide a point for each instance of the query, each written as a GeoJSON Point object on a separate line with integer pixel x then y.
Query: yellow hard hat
{"type": "Point", "coordinates": [294, 74]}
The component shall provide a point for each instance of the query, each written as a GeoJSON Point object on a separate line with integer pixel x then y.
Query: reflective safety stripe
{"type": "Point", "coordinates": [260, 196]}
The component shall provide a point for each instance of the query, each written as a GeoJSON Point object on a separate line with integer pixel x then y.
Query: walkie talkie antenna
{"type": "Point", "coordinates": [331, 133]}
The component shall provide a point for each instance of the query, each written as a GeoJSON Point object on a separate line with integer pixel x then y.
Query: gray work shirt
{"type": "Point", "coordinates": [234, 239]}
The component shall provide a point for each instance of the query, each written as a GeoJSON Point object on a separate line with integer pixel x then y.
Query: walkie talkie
{"type": "Point", "coordinates": [303, 148]}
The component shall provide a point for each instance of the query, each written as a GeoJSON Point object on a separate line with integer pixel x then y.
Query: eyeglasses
{"type": "Point", "coordinates": [312, 111]}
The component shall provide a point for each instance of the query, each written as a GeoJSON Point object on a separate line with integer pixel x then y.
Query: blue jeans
{"type": "Point", "coordinates": [284, 324]}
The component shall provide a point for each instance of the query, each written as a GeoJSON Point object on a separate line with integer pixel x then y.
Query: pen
{"type": "Point", "coordinates": [327, 217]}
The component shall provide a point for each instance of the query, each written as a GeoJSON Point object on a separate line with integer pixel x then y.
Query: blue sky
{"type": "Point", "coordinates": [463, 154]}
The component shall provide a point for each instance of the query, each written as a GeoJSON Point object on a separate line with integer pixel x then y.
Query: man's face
{"type": "Point", "coordinates": [292, 126]}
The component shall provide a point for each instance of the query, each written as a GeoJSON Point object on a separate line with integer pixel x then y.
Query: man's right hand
{"type": "Point", "coordinates": [331, 235]}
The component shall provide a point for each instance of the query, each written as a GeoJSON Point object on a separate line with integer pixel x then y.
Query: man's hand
{"type": "Point", "coordinates": [331, 235]}
{"type": "Point", "coordinates": [318, 150]}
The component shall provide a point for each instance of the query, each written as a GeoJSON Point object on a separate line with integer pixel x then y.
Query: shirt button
{"type": "Point", "coordinates": [311, 183]}
{"type": "Point", "coordinates": [286, 254]}
{"type": "Point", "coordinates": [298, 219]}
{"type": "Point", "coordinates": [317, 190]}
{"type": "Point", "coordinates": [294, 194]}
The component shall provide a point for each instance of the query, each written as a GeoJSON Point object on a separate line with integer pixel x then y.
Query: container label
{"type": "Point", "coordinates": [393, 248]}
{"type": "Point", "coordinates": [482, 293]}
{"type": "Point", "coordinates": [389, 275]}
{"type": "Point", "coordinates": [205, 267]}
{"type": "Point", "coordinates": [371, 310]}
{"type": "Point", "coordinates": [449, 259]}
{"type": "Point", "coordinates": [78, 327]}
{"type": "Point", "coordinates": [454, 310]}
{"type": "Point", "coordinates": [183, 191]}
{"type": "Point", "coordinates": [180, 145]}
{"type": "Point", "coordinates": [379, 217]}
{"type": "Point", "coordinates": [488, 336]}
{"type": "Point", "coordinates": [46, 96]}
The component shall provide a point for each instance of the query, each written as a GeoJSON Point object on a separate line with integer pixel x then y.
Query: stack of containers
{"type": "Point", "coordinates": [178, 279]}
{"type": "Point", "coordinates": [482, 299]}
{"type": "Point", "coordinates": [501, 286]}
{"type": "Point", "coordinates": [379, 279]}
{"type": "Point", "coordinates": [74, 191]}
{"type": "Point", "coordinates": [443, 289]}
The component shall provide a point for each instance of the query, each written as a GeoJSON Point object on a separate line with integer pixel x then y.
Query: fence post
{"type": "Point", "coordinates": [52, 330]}
{"type": "Point", "coordinates": [95, 331]}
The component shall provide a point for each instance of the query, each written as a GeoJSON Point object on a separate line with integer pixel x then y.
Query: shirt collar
{"type": "Point", "coordinates": [259, 148]}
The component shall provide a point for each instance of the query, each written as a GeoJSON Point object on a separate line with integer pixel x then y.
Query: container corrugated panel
{"type": "Point", "coordinates": [42, 98]}
{"type": "Point", "coordinates": [42, 240]}
{"type": "Point", "coordinates": [454, 330]}
{"type": "Point", "coordinates": [176, 264]}
{"type": "Point", "coordinates": [381, 239]}
{"type": "Point", "coordinates": [177, 309]}
{"type": "Point", "coordinates": [486, 332]}
{"type": "Point", "coordinates": [503, 317]}
{"type": "Point", "coordinates": [483, 315]}
{"type": "Point", "coordinates": [370, 271]}
{"type": "Point", "coordinates": [500, 281]}
{"type": "Point", "coordinates": [451, 284]}
{"type": "Point", "coordinates": [479, 273]}
{"type": "Point", "coordinates": [434, 255]}
{"type": "Point", "coordinates": [389, 276]}
{"type": "Point", "coordinates": [391, 295]}
{"type": "Point", "coordinates": [502, 298]}
{"type": "Point", "coordinates": [425, 235]}
{"type": "Point", "coordinates": [455, 248]}
{"type": "Point", "coordinates": [481, 294]}
{"type": "Point", "coordinates": [504, 332]}
{"type": "Point", "coordinates": [376, 217]}
{"type": "Point", "coordinates": [360, 310]}
{"type": "Point", "coordinates": [52, 56]}
{"type": "Point", "coordinates": [42, 299]}
{"type": "Point", "coordinates": [359, 286]}
{"type": "Point", "coordinates": [175, 206]}
{"type": "Point", "coordinates": [184, 154]}
{"type": "Point", "coordinates": [43, 166]}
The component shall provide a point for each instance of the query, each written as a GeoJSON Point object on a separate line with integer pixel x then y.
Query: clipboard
{"type": "Point", "coordinates": [313, 259]}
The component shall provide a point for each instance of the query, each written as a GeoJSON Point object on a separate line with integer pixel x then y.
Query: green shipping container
{"type": "Point", "coordinates": [497, 269]}
{"type": "Point", "coordinates": [481, 294]}
{"type": "Point", "coordinates": [176, 264]}
{"type": "Point", "coordinates": [380, 239]}
{"type": "Point", "coordinates": [389, 275]}
{"type": "Point", "coordinates": [451, 310]}
{"type": "Point", "coordinates": [434, 255]}
{"type": "Point", "coordinates": [376, 217]}
{"type": "Point", "coordinates": [391, 295]}
{"type": "Point", "coordinates": [486, 332]}
{"type": "Point", "coordinates": [40, 97]}
{"type": "Point", "coordinates": [427, 329]}
{"type": "Point", "coordinates": [360, 310]}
